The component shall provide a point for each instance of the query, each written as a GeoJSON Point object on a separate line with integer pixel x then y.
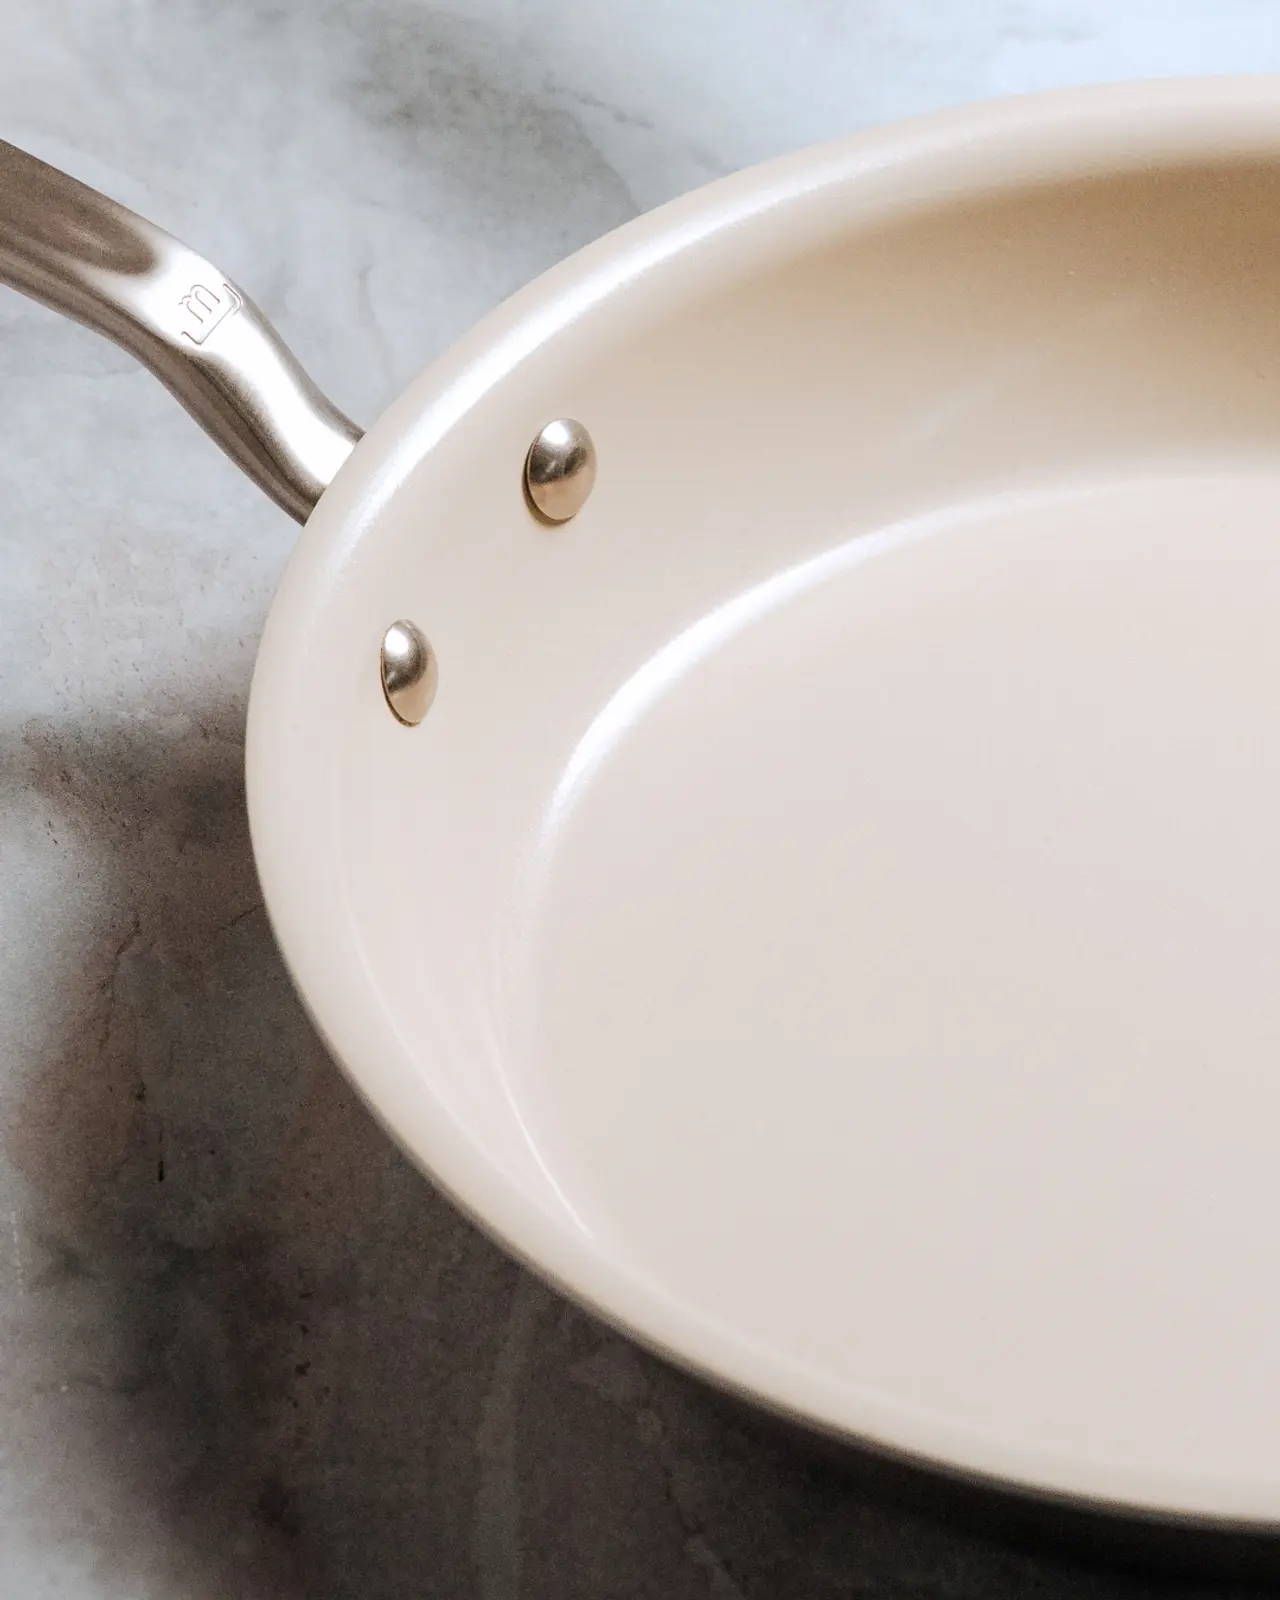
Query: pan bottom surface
{"type": "Point", "coordinates": [898, 973]}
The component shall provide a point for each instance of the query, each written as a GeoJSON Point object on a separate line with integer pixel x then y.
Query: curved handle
{"type": "Point", "coordinates": [71, 248]}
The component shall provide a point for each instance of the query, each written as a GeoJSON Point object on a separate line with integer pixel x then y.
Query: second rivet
{"type": "Point", "coordinates": [560, 470]}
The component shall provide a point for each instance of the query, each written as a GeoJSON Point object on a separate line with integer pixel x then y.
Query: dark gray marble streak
{"type": "Point", "coordinates": [244, 1350]}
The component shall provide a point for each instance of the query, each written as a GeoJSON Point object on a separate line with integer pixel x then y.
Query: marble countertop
{"type": "Point", "coordinates": [244, 1349]}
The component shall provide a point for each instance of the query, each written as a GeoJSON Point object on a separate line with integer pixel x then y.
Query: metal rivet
{"type": "Point", "coordinates": [409, 672]}
{"type": "Point", "coordinates": [560, 470]}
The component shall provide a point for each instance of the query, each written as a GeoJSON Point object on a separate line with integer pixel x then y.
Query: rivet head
{"type": "Point", "coordinates": [409, 672]}
{"type": "Point", "coordinates": [560, 470]}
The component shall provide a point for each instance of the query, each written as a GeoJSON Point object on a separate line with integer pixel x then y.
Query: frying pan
{"type": "Point", "coordinates": [764, 767]}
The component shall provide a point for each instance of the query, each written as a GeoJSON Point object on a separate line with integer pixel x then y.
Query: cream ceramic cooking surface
{"type": "Point", "coordinates": [828, 919]}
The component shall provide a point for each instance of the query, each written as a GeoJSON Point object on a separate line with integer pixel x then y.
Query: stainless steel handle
{"type": "Point", "coordinates": [71, 248]}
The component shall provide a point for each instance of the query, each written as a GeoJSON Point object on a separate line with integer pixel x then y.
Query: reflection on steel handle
{"type": "Point", "coordinates": [73, 249]}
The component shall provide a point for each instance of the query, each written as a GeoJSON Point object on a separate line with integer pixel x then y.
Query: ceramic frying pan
{"type": "Point", "coordinates": [816, 896]}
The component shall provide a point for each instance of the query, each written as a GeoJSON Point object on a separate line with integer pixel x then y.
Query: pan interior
{"type": "Point", "coordinates": [838, 882]}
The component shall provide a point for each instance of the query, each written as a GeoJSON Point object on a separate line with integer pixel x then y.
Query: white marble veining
{"type": "Point", "coordinates": [243, 1349]}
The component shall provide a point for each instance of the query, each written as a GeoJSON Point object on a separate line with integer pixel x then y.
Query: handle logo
{"type": "Point", "coordinates": [206, 308]}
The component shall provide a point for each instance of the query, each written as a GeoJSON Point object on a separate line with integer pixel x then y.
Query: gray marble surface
{"type": "Point", "coordinates": [244, 1350]}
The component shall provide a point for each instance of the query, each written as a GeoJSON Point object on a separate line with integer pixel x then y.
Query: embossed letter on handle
{"type": "Point", "coordinates": [70, 247]}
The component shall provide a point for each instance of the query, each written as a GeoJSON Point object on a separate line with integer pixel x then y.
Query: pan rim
{"type": "Point", "coordinates": [870, 177]}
